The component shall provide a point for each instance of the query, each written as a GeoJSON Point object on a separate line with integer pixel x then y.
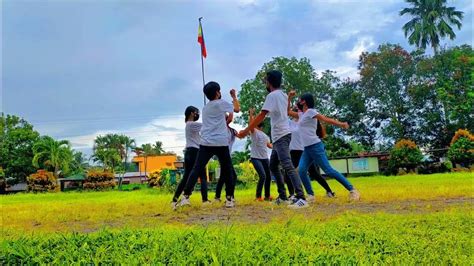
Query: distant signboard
{"type": "Point", "coordinates": [361, 164]}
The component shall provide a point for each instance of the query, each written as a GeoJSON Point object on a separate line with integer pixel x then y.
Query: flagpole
{"type": "Point", "coordinates": [202, 62]}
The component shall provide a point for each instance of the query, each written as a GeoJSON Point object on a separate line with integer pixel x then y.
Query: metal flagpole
{"type": "Point", "coordinates": [202, 59]}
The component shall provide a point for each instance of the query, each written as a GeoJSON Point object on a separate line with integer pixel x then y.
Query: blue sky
{"type": "Point", "coordinates": [76, 69]}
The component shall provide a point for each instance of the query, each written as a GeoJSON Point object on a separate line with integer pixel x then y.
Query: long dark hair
{"type": "Point", "coordinates": [190, 109]}
{"type": "Point", "coordinates": [321, 130]}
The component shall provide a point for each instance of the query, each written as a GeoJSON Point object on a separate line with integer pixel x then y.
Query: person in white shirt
{"type": "Point", "coordinates": [214, 142]}
{"type": "Point", "coordinates": [296, 151]}
{"type": "Point", "coordinates": [193, 138]}
{"type": "Point", "coordinates": [275, 106]}
{"type": "Point", "coordinates": [314, 151]}
{"type": "Point", "coordinates": [259, 158]}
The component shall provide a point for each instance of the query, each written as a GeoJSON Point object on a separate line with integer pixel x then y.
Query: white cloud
{"type": "Point", "coordinates": [363, 44]}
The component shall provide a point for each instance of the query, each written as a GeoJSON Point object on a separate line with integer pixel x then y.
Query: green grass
{"type": "Point", "coordinates": [424, 219]}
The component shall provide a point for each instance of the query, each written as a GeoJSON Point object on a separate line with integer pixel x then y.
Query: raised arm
{"type": "Point", "coordinates": [235, 101]}
{"type": "Point", "coordinates": [255, 122]}
{"type": "Point", "coordinates": [251, 117]}
{"type": "Point", "coordinates": [332, 121]}
{"type": "Point", "coordinates": [291, 113]}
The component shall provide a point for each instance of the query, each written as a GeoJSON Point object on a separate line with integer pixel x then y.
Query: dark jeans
{"type": "Point", "coordinates": [313, 173]}
{"type": "Point", "coordinates": [204, 155]}
{"type": "Point", "coordinates": [190, 157]}
{"type": "Point", "coordinates": [221, 182]}
{"type": "Point", "coordinates": [262, 166]}
{"type": "Point", "coordinates": [281, 155]}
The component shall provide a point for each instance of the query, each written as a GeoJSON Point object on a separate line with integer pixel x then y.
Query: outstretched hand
{"type": "Point", "coordinates": [242, 134]}
{"type": "Point", "coordinates": [345, 125]}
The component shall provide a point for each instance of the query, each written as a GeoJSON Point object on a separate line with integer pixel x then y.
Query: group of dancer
{"type": "Point", "coordinates": [296, 144]}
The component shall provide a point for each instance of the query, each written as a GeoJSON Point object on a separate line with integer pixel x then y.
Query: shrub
{"type": "Point", "coordinates": [3, 182]}
{"type": "Point", "coordinates": [161, 179]}
{"type": "Point", "coordinates": [461, 150]}
{"type": "Point", "coordinates": [99, 179]}
{"type": "Point", "coordinates": [405, 154]}
{"type": "Point", "coordinates": [41, 181]}
{"type": "Point", "coordinates": [246, 173]}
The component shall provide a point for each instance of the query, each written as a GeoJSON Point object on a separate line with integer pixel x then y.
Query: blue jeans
{"type": "Point", "coordinates": [317, 154]}
{"type": "Point", "coordinates": [263, 171]}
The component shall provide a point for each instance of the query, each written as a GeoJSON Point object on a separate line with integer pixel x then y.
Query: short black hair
{"type": "Point", "coordinates": [188, 111]}
{"type": "Point", "coordinates": [274, 78]}
{"type": "Point", "coordinates": [211, 89]}
{"type": "Point", "coordinates": [309, 99]}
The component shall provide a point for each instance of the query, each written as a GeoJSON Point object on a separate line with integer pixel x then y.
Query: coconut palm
{"type": "Point", "coordinates": [431, 21]}
{"type": "Point", "coordinates": [51, 153]}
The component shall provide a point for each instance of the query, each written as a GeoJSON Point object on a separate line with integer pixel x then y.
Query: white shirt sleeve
{"type": "Point", "coordinates": [269, 104]}
{"type": "Point", "coordinates": [195, 126]}
{"type": "Point", "coordinates": [312, 113]}
{"type": "Point", "coordinates": [226, 107]}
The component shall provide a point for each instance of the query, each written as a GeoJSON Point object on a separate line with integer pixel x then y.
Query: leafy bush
{"type": "Point", "coordinates": [161, 179]}
{"type": "Point", "coordinates": [3, 182]}
{"type": "Point", "coordinates": [41, 181]}
{"type": "Point", "coordinates": [246, 173]}
{"type": "Point", "coordinates": [99, 179]}
{"type": "Point", "coordinates": [405, 154]}
{"type": "Point", "coordinates": [462, 148]}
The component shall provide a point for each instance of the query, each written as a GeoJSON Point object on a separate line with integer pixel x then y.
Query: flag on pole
{"type": "Point", "coordinates": [201, 41]}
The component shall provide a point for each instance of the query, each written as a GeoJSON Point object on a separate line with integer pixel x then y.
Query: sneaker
{"type": "Point", "coordinates": [330, 194]}
{"type": "Point", "coordinates": [217, 200]}
{"type": "Point", "coordinates": [354, 195]}
{"type": "Point", "coordinates": [292, 198]}
{"type": "Point", "coordinates": [280, 201]}
{"type": "Point", "coordinates": [229, 202]}
{"type": "Point", "coordinates": [174, 205]}
{"type": "Point", "coordinates": [259, 199]}
{"type": "Point", "coordinates": [310, 198]}
{"type": "Point", "coordinates": [299, 204]}
{"type": "Point", "coordinates": [184, 202]}
{"type": "Point", "coordinates": [268, 198]}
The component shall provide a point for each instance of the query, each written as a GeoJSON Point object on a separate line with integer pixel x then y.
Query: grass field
{"type": "Point", "coordinates": [399, 220]}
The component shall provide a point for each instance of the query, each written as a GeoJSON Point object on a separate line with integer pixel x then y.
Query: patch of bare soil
{"type": "Point", "coordinates": [254, 214]}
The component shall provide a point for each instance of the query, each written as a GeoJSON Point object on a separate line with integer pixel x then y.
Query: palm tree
{"type": "Point", "coordinates": [55, 154]}
{"type": "Point", "coordinates": [431, 20]}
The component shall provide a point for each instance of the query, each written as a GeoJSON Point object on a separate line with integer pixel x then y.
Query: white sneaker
{"type": "Point", "coordinates": [299, 204]}
{"type": "Point", "coordinates": [174, 205]}
{"type": "Point", "coordinates": [330, 195]}
{"type": "Point", "coordinates": [184, 202]}
{"type": "Point", "coordinates": [292, 198]}
{"type": "Point", "coordinates": [310, 198]}
{"type": "Point", "coordinates": [217, 200]}
{"type": "Point", "coordinates": [354, 195]}
{"type": "Point", "coordinates": [229, 203]}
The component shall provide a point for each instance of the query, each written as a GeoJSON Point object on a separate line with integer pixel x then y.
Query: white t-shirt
{"type": "Point", "coordinates": [276, 104]}
{"type": "Point", "coordinates": [214, 130]}
{"type": "Point", "coordinates": [258, 147]}
{"type": "Point", "coordinates": [295, 143]}
{"type": "Point", "coordinates": [307, 127]}
{"type": "Point", "coordinates": [193, 138]}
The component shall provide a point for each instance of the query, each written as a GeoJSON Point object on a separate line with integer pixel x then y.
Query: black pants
{"type": "Point", "coordinates": [314, 173]}
{"type": "Point", "coordinates": [262, 166]}
{"type": "Point", "coordinates": [190, 157]}
{"type": "Point", "coordinates": [221, 182]}
{"type": "Point", "coordinates": [281, 156]}
{"type": "Point", "coordinates": [204, 155]}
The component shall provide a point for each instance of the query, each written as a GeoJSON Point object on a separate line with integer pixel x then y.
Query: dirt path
{"type": "Point", "coordinates": [265, 212]}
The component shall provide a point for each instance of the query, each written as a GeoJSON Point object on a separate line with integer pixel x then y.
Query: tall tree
{"type": "Point", "coordinates": [53, 154]}
{"type": "Point", "coordinates": [386, 77]}
{"type": "Point", "coordinates": [17, 137]}
{"type": "Point", "coordinates": [431, 21]}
